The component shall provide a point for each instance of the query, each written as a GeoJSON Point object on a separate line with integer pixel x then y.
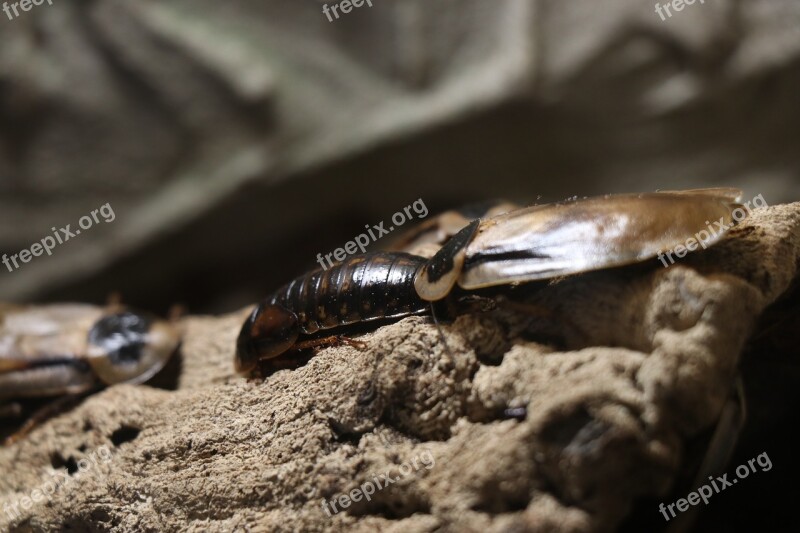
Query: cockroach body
{"type": "Point", "coordinates": [523, 245]}
{"type": "Point", "coordinates": [362, 288]}
{"type": "Point", "coordinates": [62, 349]}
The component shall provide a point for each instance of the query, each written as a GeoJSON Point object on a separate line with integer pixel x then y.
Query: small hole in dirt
{"type": "Point", "coordinates": [57, 461]}
{"type": "Point", "coordinates": [82, 448]}
{"type": "Point", "coordinates": [124, 434]}
{"type": "Point", "coordinates": [101, 515]}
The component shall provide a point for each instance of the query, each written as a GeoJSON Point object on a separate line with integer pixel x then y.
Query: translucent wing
{"type": "Point", "coordinates": [569, 238]}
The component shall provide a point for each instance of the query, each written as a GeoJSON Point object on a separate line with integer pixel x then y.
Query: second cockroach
{"type": "Point", "coordinates": [53, 350]}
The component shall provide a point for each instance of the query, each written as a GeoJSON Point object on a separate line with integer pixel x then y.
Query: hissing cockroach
{"type": "Point", "coordinates": [360, 289]}
{"type": "Point", "coordinates": [53, 350]}
{"type": "Point", "coordinates": [534, 243]}
{"type": "Point", "coordinates": [276, 324]}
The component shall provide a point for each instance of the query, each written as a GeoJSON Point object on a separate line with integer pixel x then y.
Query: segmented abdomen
{"type": "Point", "coordinates": [361, 288]}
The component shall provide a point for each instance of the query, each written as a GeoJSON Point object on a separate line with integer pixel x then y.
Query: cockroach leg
{"type": "Point", "coordinates": [472, 303]}
{"type": "Point", "coordinates": [290, 360]}
{"type": "Point", "coordinates": [333, 340]}
{"type": "Point", "coordinates": [297, 356]}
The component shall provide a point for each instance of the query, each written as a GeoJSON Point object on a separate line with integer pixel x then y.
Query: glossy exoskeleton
{"type": "Point", "coordinates": [359, 289]}
{"type": "Point", "coordinates": [534, 243]}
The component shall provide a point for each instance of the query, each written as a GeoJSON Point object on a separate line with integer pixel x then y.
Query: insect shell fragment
{"type": "Point", "coordinates": [58, 349]}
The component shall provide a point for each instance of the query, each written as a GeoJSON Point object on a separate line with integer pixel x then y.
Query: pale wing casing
{"type": "Point", "coordinates": [554, 240]}
{"type": "Point", "coordinates": [32, 334]}
{"type": "Point", "coordinates": [41, 349]}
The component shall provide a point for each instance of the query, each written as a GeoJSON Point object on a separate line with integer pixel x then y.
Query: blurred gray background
{"type": "Point", "coordinates": [235, 140]}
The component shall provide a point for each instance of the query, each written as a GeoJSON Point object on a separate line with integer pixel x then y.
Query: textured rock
{"type": "Point", "coordinates": [621, 371]}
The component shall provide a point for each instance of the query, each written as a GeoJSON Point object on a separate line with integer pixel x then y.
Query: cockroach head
{"type": "Point", "coordinates": [269, 331]}
{"type": "Point", "coordinates": [436, 279]}
{"type": "Point", "coordinates": [130, 347]}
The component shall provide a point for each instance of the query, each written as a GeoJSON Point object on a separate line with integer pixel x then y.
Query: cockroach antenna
{"type": "Point", "coordinates": [441, 333]}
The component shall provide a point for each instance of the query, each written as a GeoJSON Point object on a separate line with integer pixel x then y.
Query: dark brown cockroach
{"type": "Point", "coordinates": [276, 324]}
{"type": "Point", "coordinates": [534, 243]}
{"type": "Point", "coordinates": [361, 288]}
{"type": "Point", "coordinates": [54, 350]}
